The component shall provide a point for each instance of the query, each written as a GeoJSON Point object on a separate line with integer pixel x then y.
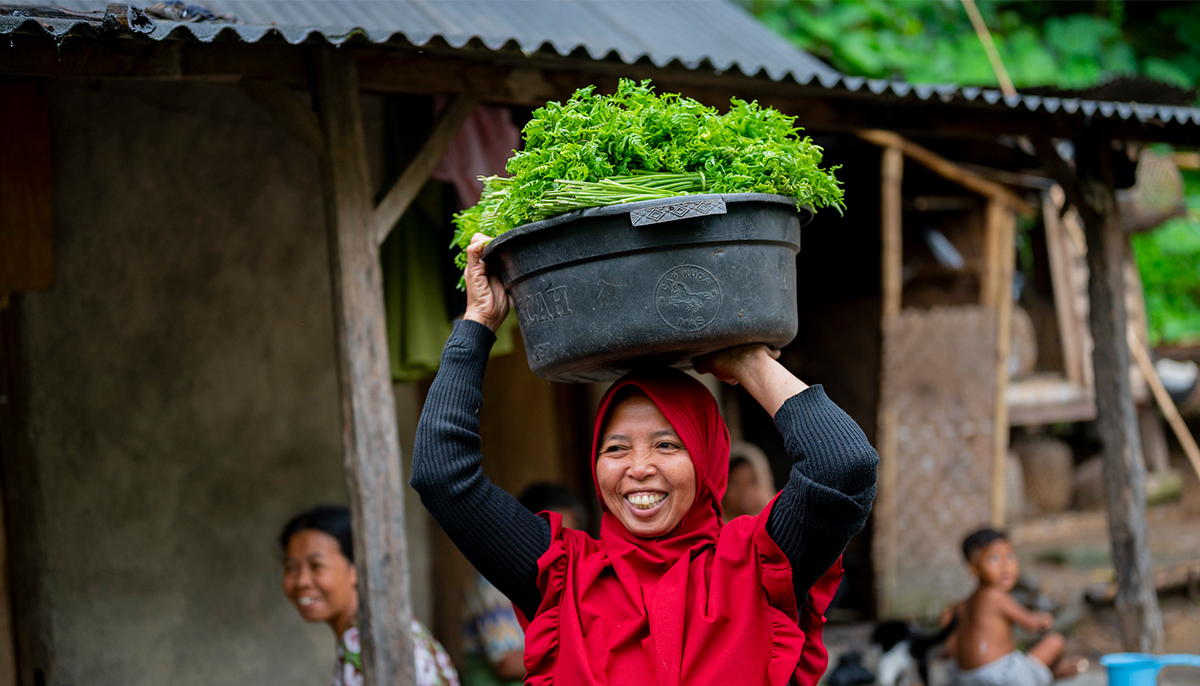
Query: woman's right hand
{"type": "Point", "coordinates": [487, 303]}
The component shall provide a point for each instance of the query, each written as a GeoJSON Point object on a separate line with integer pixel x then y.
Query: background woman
{"type": "Point", "coordinates": [320, 579]}
{"type": "Point", "coordinates": [667, 594]}
{"type": "Point", "coordinates": [751, 485]}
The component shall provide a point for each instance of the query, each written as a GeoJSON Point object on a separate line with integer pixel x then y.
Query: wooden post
{"type": "Point", "coordinates": [891, 223]}
{"type": "Point", "coordinates": [1124, 471]}
{"type": "Point", "coordinates": [24, 515]}
{"type": "Point", "coordinates": [369, 434]}
{"type": "Point", "coordinates": [1001, 226]}
{"type": "Point", "coordinates": [891, 218]}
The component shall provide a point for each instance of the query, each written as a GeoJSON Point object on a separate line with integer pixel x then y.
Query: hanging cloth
{"type": "Point", "coordinates": [415, 259]}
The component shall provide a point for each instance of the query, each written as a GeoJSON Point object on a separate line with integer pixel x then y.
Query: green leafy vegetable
{"type": "Point", "coordinates": [638, 145]}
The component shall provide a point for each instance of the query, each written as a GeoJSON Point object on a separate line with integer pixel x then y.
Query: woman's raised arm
{"type": "Point", "coordinates": [832, 484]}
{"type": "Point", "coordinates": [497, 535]}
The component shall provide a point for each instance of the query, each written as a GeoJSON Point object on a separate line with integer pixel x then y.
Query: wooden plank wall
{"type": "Point", "coordinates": [26, 219]}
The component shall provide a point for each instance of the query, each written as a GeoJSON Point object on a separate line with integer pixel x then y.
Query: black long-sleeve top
{"type": "Point", "coordinates": [826, 500]}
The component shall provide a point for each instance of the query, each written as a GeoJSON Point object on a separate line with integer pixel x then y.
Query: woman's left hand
{"type": "Point", "coordinates": [732, 365]}
{"type": "Point", "coordinates": [755, 368]}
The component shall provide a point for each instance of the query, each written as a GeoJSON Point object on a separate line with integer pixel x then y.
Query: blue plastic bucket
{"type": "Point", "coordinates": [1141, 669]}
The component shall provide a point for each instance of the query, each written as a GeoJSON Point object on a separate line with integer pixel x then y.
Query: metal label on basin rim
{"type": "Point", "coordinates": [675, 211]}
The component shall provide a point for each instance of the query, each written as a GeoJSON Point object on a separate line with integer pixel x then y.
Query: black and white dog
{"type": "Point", "coordinates": [905, 646]}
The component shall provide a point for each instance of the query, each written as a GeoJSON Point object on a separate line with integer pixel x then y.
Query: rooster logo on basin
{"type": "Point", "coordinates": [688, 298]}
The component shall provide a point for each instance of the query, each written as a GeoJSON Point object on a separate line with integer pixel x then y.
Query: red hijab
{"type": "Point", "coordinates": [704, 604]}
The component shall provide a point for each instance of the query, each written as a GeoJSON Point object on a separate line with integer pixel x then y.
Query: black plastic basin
{"type": "Point", "coordinates": [602, 290]}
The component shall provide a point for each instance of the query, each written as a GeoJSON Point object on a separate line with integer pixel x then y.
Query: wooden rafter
{"type": "Point", "coordinates": [947, 169]}
{"type": "Point", "coordinates": [532, 80]}
{"type": "Point", "coordinates": [396, 201]}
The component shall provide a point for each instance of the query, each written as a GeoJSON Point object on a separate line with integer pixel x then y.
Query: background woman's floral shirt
{"type": "Point", "coordinates": [433, 664]}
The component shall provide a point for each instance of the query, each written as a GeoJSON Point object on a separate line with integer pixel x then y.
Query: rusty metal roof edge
{"type": "Point", "coordinates": [21, 20]}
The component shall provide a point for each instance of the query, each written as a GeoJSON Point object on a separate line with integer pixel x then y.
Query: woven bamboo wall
{"type": "Point", "coordinates": [939, 383]}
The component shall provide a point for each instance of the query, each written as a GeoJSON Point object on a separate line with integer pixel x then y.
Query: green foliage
{"type": "Point", "coordinates": [637, 145]}
{"type": "Point", "coordinates": [1069, 45]}
{"type": "Point", "coordinates": [1169, 262]}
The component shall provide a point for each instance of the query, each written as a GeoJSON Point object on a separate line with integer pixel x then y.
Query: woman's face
{"type": "Point", "coordinates": [742, 494]}
{"type": "Point", "coordinates": [319, 580]}
{"type": "Point", "coordinates": [644, 473]}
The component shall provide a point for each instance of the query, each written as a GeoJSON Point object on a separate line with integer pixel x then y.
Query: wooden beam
{"type": "Point", "coordinates": [947, 169]}
{"type": "Point", "coordinates": [1124, 471]}
{"type": "Point", "coordinates": [1002, 223]}
{"type": "Point", "coordinates": [24, 513]}
{"type": "Point", "coordinates": [532, 80]}
{"type": "Point", "coordinates": [1163, 398]}
{"type": "Point", "coordinates": [26, 213]}
{"type": "Point", "coordinates": [288, 109]}
{"type": "Point", "coordinates": [396, 201]}
{"type": "Point", "coordinates": [369, 434]}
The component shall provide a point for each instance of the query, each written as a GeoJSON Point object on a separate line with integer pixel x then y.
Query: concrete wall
{"type": "Point", "coordinates": [184, 399]}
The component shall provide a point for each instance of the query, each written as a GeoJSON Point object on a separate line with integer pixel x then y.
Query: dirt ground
{"type": "Point", "coordinates": [1067, 553]}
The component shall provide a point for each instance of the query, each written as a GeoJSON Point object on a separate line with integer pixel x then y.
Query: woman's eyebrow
{"type": "Point", "coordinates": [615, 437]}
{"type": "Point", "coordinates": [664, 432]}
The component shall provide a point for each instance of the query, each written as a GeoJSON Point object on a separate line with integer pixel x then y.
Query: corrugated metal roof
{"type": "Point", "coordinates": [698, 34]}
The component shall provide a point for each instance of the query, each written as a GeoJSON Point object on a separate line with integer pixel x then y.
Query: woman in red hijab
{"type": "Point", "coordinates": [667, 595]}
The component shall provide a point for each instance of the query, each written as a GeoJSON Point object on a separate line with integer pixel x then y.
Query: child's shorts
{"type": "Point", "coordinates": [1014, 669]}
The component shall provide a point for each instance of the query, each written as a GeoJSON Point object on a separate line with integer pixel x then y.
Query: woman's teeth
{"type": "Point", "coordinates": [645, 501]}
{"type": "Point", "coordinates": [305, 602]}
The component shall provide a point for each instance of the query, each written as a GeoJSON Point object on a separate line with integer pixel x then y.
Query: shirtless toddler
{"type": "Point", "coordinates": [982, 645]}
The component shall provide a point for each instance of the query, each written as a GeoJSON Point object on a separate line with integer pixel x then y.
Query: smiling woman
{"type": "Point", "coordinates": [643, 470]}
{"type": "Point", "coordinates": [320, 580]}
{"type": "Point", "coordinates": [668, 594]}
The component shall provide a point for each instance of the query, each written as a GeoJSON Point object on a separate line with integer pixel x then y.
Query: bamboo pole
{"type": "Point", "coordinates": [1163, 398]}
{"type": "Point", "coordinates": [884, 543]}
{"type": "Point", "coordinates": [892, 209]}
{"type": "Point", "coordinates": [989, 47]}
{"type": "Point", "coordinates": [1001, 224]}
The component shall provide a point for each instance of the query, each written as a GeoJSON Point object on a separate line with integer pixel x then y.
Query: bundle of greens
{"type": "Point", "coordinates": [637, 145]}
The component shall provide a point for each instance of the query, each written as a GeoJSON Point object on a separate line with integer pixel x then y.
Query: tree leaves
{"type": "Point", "coordinates": [1041, 43]}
